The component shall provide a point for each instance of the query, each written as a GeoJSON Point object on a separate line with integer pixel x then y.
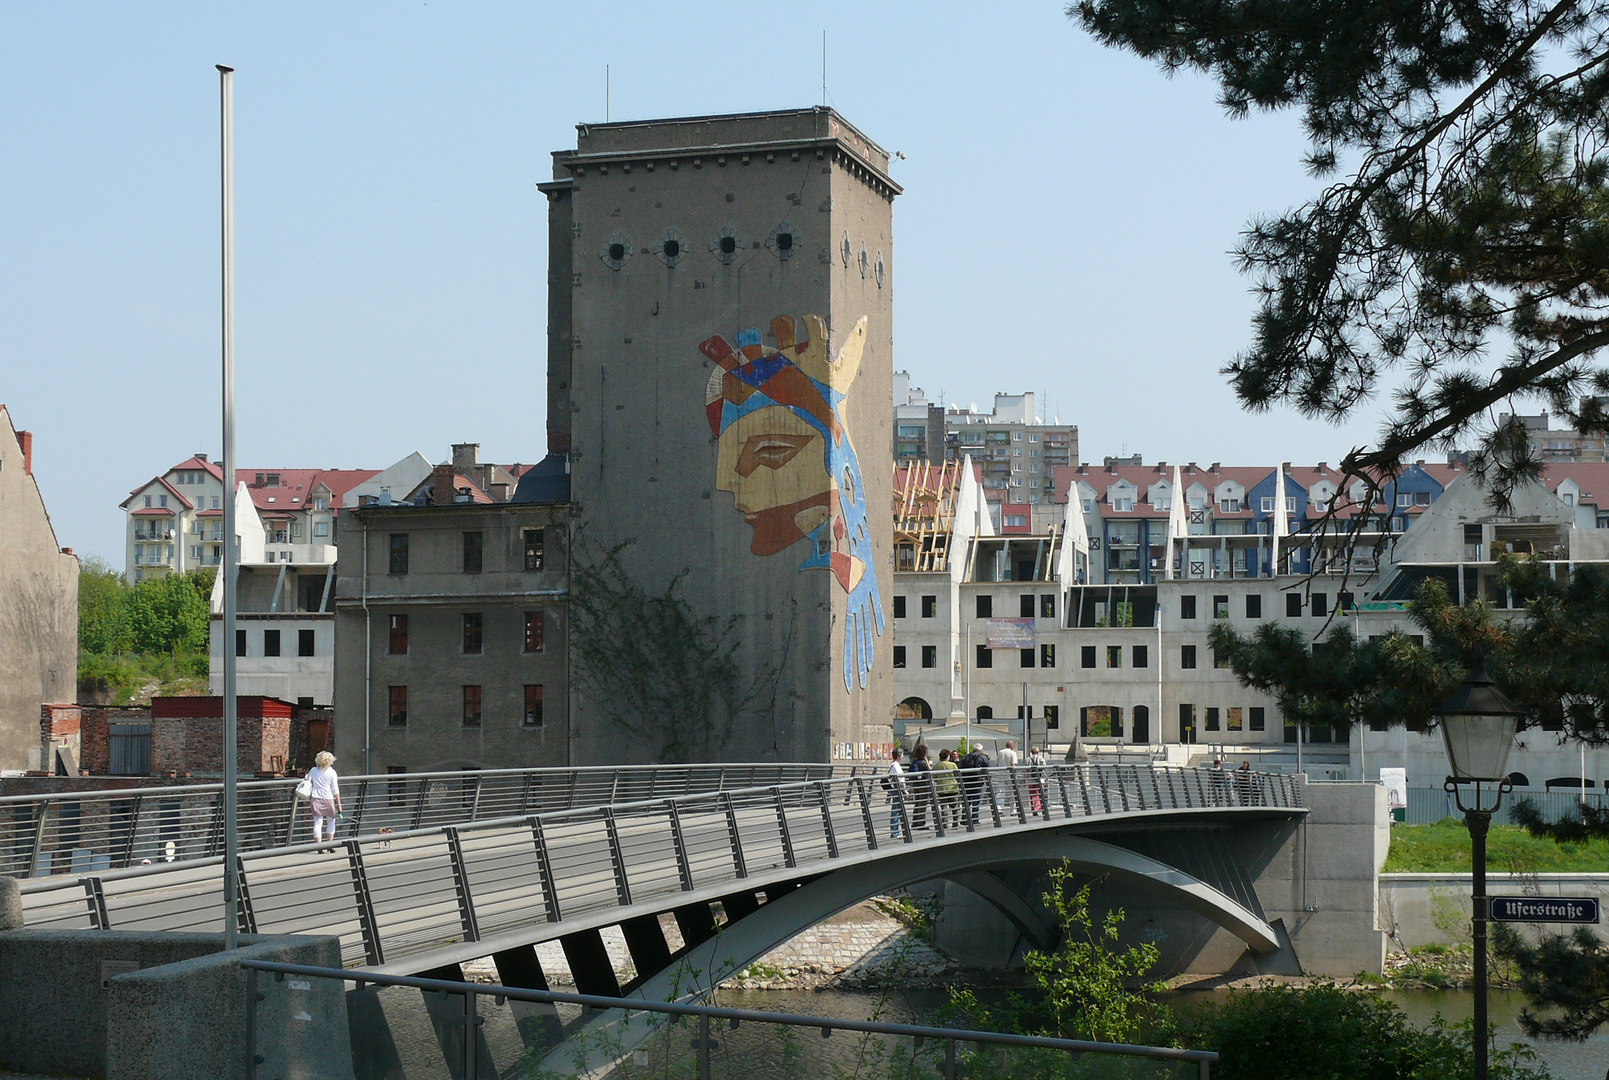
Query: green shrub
{"type": "Point", "coordinates": [1324, 1032]}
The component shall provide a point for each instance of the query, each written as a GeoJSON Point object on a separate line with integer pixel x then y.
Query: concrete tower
{"type": "Point", "coordinates": [719, 371]}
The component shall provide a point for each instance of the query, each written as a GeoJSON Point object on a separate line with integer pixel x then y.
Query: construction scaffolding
{"type": "Point", "coordinates": [924, 515]}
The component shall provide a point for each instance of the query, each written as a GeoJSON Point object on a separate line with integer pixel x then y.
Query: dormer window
{"type": "Point", "coordinates": [270, 498]}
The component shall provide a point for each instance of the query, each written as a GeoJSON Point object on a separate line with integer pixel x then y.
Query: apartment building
{"type": "Point", "coordinates": [1038, 635]}
{"type": "Point", "coordinates": [1559, 444]}
{"type": "Point", "coordinates": [175, 519]}
{"type": "Point", "coordinates": [1017, 452]}
{"type": "Point", "coordinates": [918, 423]}
{"type": "Point", "coordinates": [451, 630]}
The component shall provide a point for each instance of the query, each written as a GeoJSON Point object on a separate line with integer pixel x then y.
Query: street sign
{"type": "Point", "coordinates": [1552, 909]}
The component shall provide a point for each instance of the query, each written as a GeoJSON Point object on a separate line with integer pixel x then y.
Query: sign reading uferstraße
{"type": "Point", "coordinates": [1554, 909]}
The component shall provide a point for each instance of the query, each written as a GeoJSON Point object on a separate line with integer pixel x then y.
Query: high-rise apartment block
{"type": "Point", "coordinates": [720, 337]}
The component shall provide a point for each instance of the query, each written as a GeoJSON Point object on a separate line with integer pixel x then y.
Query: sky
{"type": "Point", "coordinates": [1066, 227]}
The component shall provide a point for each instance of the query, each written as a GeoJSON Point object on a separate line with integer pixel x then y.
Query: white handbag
{"type": "Point", "coordinates": [304, 790]}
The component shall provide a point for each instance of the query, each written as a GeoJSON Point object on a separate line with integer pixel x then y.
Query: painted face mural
{"type": "Point", "coordinates": [788, 461]}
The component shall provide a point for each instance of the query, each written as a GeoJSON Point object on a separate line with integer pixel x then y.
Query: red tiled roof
{"type": "Point", "coordinates": [185, 503]}
{"type": "Point", "coordinates": [296, 486]}
{"type": "Point", "coordinates": [209, 513]}
{"type": "Point", "coordinates": [1591, 478]}
{"type": "Point", "coordinates": [196, 463]}
{"type": "Point", "coordinates": [152, 511]}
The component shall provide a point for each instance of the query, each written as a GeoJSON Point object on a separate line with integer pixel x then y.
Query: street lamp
{"type": "Point", "coordinates": [1477, 726]}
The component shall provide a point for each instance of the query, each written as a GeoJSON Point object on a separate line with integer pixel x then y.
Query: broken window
{"type": "Point", "coordinates": [533, 548]}
{"type": "Point", "coordinates": [472, 632]}
{"type": "Point", "coordinates": [472, 552]}
{"type": "Point", "coordinates": [472, 706]}
{"type": "Point", "coordinates": [533, 705]}
{"type": "Point", "coordinates": [399, 553]}
{"type": "Point", "coordinates": [399, 635]}
{"type": "Point", "coordinates": [398, 717]}
{"type": "Point", "coordinates": [533, 631]}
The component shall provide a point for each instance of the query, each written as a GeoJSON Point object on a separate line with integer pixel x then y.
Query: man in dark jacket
{"type": "Point", "coordinates": [972, 765]}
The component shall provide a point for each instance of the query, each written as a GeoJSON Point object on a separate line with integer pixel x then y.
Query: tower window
{"type": "Point", "coordinates": [728, 245]}
{"type": "Point", "coordinates": [617, 252]}
{"type": "Point", "coordinates": [672, 249]}
{"type": "Point", "coordinates": [784, 241]}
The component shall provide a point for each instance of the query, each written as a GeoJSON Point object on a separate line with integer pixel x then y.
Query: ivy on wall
{"type": "Point", "coordinates": [660, 673]}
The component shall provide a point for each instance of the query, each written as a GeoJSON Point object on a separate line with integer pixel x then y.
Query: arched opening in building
{"type": "Point", "coordinates": [913, 708]}
{"type": "Point", "coordinates": [1101, 721]}
{"type": "Point", "coordinates": [1519, 779]}
{"type": "Point", "coordinates": [1568, 782]}
{"type": "Point", "coordinates": [1142, 724]}
{"type": "Point", "coordinates": [985, 713]}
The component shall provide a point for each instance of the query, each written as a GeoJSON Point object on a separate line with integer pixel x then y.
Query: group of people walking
{"type": "Point", "coordinates": [951, 790]}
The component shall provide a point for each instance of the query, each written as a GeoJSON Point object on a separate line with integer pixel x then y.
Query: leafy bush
{"type": "Point", "coordinates": [1323, 1032]}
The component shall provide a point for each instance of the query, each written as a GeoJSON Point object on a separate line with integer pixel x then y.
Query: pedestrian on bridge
{"type": "Point", "coordinates": [921, 785]}
{"type": "Point", "coordinates": [948, 786]}
{"type": "Point", "coordinates": [1008, 759]}
{"type": "Point", "coordinates": [325, 796]}
{"type": "Point", "coordinates": [894, 784]}
{"type": "Point", "coordinates": [972, 766]}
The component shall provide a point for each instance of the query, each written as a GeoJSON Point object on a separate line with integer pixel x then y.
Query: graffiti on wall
{"type": "Point", "coordinates": [788, 460]}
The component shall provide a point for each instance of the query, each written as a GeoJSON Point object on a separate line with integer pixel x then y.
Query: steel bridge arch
{"type": "Point", "coordinates": [741, 943]}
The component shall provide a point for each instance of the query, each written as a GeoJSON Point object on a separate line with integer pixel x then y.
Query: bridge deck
{"type": "Point", "coordinates": [413, 900]}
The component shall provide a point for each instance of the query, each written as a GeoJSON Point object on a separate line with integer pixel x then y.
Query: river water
{"type": "Point", "coordinates": [1566, 1061]}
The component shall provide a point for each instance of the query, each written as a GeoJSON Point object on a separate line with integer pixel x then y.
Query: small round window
{"type": "Point", "coordinates": [726, 244]}
{"type": "Point", "coordinates": [671, 247]}
{"type": "Point", "coordinates": [782, 241]}
{"type": "Point", "coordinates": [615, 251]}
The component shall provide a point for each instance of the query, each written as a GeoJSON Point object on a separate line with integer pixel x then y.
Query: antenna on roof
{"type": "Point", "coordinates": [606, 93]}
{"type": "Point", "coordinates": [824, 69]}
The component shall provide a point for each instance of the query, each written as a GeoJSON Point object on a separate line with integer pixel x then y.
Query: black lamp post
{"type": "Point", "coordinates": [1477, 726]}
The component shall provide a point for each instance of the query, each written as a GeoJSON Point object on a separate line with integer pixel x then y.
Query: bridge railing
{"type": "Point", "coordinates": [751, 1042]}
{"type": "Point", "coordinates": [92, 831]}
{"type": "Point", "coordinates": [490, 882]}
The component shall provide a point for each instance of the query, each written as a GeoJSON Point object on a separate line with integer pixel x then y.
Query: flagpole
{"type": "Point", "coordinates": [231, 558]}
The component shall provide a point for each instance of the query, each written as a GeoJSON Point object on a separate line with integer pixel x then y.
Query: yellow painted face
{"type": "Point", "coordinates": [771, 458]}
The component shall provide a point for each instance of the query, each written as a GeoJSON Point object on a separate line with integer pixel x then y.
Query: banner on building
{"type": "Point", "coordinates": [1395, 782]}
{"type": "Point", "coordinates": [1011, 633]}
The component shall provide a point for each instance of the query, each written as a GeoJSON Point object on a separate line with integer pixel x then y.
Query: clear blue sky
{"type": "Point", "coordinates": [1065, 227]}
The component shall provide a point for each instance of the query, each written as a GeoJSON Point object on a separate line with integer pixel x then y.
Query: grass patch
{"type": "Point", "coordinates": [1444, 847]}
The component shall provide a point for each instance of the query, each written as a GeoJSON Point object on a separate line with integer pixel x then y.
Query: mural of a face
{"type": "Point", "coordinates": [789, 463]}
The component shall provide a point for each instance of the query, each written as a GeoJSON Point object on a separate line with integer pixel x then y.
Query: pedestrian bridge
{"type": "Point", "coordinates": [740, 870]}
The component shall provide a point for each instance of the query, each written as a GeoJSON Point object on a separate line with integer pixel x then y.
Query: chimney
{"type": "Point", "coordinates": [466, 457]}
{"type": "Point", "coordinates": [441, 485]}
{"type": "Point", "coordinates": [1321, 467]}
{"type": "Point", "coordinates": [25, 439]}
{"type": "Point", "coordinates": [201, 458]}
{"type": "Point", "coordinates": [1214, 467]}
{"type": "Point", "coordinates": [499, 492]}
{"type": "Point", "coordinates": [1191, 468]}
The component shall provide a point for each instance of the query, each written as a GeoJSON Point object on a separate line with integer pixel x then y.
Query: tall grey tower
{"type": "Point", "coordinates": [719, 371]}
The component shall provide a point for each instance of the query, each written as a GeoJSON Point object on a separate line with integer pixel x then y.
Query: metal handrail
{"type": "Point", "coordinates": [123, 826]}
{"type": "Point", "coordinates": [948, 1037]}
{"type": "Point", "coordinates": [492, 883]}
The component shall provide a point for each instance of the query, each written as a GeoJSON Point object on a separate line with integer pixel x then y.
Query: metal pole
{"type": "Point", "coordinates": [231, 557]}
{"type": "Point", "coordinates": [1479, 821]}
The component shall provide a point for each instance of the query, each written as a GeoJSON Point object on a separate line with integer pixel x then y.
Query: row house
{"type": "Point", "coordinates": [1225, 518]}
